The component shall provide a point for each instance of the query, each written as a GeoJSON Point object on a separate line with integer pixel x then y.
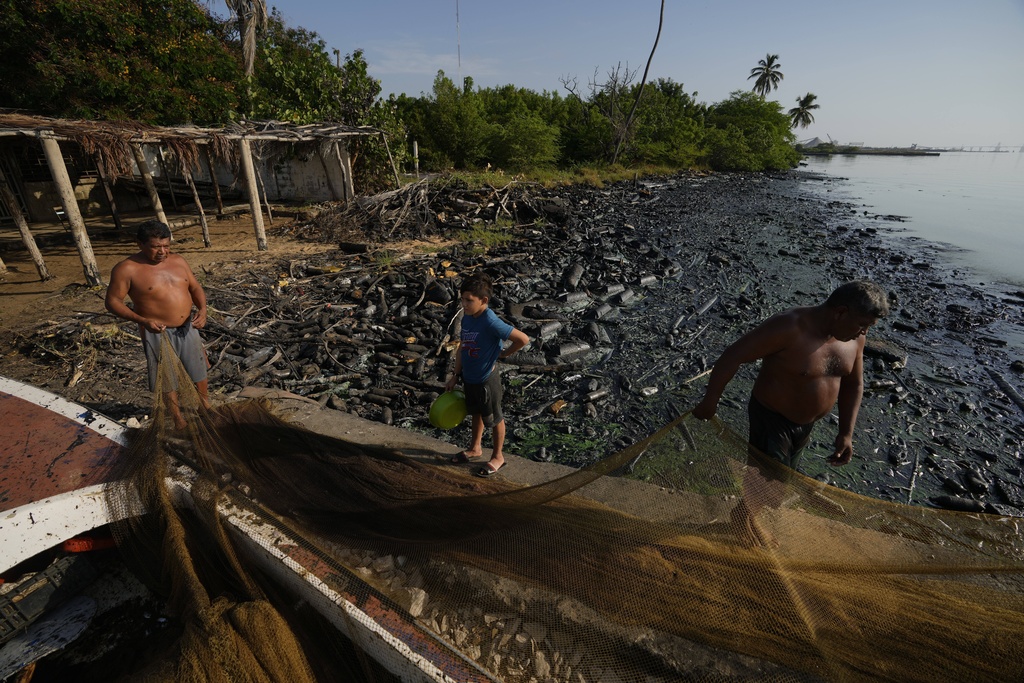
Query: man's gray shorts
{"type": "Point", "coordinates": [187, 346]}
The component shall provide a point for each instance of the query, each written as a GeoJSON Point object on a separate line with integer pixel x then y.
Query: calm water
{"type": "Point", "coordinates": [971, 200]}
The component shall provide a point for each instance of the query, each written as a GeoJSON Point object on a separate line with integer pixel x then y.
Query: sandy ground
{"type": "Point", "coordinates": [24, 299]}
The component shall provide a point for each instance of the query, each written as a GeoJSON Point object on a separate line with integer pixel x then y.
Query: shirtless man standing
{"type": "Point", "coordinates": [163, 290]}
{"type": "Point", "coordinates": [810, 358]}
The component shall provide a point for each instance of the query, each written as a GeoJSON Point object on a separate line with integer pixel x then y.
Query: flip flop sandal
{"type": "Point", "coordinates": [486, 471]}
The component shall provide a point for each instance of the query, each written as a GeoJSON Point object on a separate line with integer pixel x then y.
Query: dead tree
{"type": "Point", "coordinates": [643, 81]}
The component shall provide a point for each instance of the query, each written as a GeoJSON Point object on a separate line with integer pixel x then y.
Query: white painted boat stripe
{"type": "Point", "coordinates": [97, 422]}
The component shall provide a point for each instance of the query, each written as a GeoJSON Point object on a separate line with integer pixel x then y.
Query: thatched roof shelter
{"type": "Point", "coordinates": [110, 141]}
{"type": "Point", "coordinates": [116, 148]}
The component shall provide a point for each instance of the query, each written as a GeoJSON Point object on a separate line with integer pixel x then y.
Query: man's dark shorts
{"type": "Point", "coordinates": [777, 436]}
{"type": "Point", "coordinates": [187, 345]}
{"type": "Point", "coordinates": [485, 399]}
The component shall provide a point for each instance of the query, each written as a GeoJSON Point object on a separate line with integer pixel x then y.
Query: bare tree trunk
{"type": "Point", "coordinates": [245, 159]}
{"type": "Point", "coordinates": [7, 195]}
{"type": "Point", "coordinates": [147, 178]}
{"type": "Point", "coordinates": [640, 93]}
{"type": "Point", "coordinates": [59, 171]}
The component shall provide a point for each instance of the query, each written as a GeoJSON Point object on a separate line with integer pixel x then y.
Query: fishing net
{"type": "Point", "coordinates": [702, 562]}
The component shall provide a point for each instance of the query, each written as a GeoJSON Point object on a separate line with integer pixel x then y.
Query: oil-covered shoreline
{"type": "Point", "coordinates": [629, 293]}
{"type": "Point", "coordinates": [938, 423]}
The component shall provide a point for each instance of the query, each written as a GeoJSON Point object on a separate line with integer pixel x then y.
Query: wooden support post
{"type": "Point", "coordinates": [167, 175]}
{"type": "Point", "coordinates": [199, 205]}
{"type": "Point", "coordinates": [147, 178]}
{"type": "Point", "coordinates": [345, 161]}
{"type": "Point", "coordinates": [245, 160]}
{"type": "Point", "coordinates": [108, 190]}
{"type": "Point", "coordinates": [59, 171]}
{"type": "Point", "coordinates": [335, 176]}
{"type": "Point", "coordinates": [213, 179]}
{"type": "Point", "coordinates": [262, 185]}
{"type": "Point", "coordinates": [394, 169]}
{"type": "Point", "coordinates": [263, 191]}
{"type": "Point", "coordinates": [7, 195]}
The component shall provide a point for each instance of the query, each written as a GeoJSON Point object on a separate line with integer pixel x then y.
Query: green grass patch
{"type": "Point", "coordinates": [596, 176]}
{"type": "Point", "coordinates": [483, 237]}
{"type": "Point", "coordinates": [688, 461]}
{"type": "Point", "coordinates": [384, 259]}
{"type": "Point", "coordinates": [565, 446]}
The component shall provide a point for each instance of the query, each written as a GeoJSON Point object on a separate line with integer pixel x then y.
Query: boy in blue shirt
{"type": "Point", "coordinates": [480, 346]}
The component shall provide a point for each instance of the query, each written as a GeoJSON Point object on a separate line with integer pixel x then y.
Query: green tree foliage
{"type": "Point", "coordinates": [748, 133]}
{"type": "Point", "coordinates": [156, 61]}
{"type": "Point", "coordinates": [521, 133]}
{"type": "Point", "coordinates": [600, 122]}
{"type": "Point", "coordinates": [768, 73]}
{"type": "Point", "coordinates": [460, 131]}
{"type": "Point", "coordinates": [668, 127]}
{"type": "Point", "coordinates": [296, 80]}
{"type": "Point", "coordinates": [801, 115]}
{"type": "Point", "coordinates": [512, 128]}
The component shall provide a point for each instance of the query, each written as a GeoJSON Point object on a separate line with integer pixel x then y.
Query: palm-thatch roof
{"type": "Point", "coordinates": [109, 141]}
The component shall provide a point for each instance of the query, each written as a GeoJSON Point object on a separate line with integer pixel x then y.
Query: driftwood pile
{"type": "Point", "coordinates": [372, 332]}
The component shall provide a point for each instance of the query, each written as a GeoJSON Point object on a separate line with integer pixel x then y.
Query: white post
{"type": "Point", "coordinates": [55, 160]}
{"type": "Point", "coordinates": [245, 158]}
{"type": "Point", "coordinates": [147, 179]}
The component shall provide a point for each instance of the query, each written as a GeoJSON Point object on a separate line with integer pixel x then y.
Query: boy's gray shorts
{"type": "Point", "coordinates": [485, 399]}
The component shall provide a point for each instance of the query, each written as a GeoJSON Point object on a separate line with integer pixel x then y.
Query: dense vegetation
{"type": "Point", "coordinates": [171, 62]}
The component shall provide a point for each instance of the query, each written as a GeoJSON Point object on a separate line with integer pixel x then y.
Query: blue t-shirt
{"type": "Point", "coordinates": [482, 339]}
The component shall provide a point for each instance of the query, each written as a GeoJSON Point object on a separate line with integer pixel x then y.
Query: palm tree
{"type": "Point", "coordinates": [252, 17]}
{"type": "Point", "coordinates": [767, 74]}
{"type": "Point", "coordinates": [801, 115]}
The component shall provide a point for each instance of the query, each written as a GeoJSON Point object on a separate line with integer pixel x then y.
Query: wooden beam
{"type": "Point", "coordinates": [245, 160]}
{"type": "Point", "coordinates": [394, 169]}
{"type": "Point", "coordinates": [213, 180]}
{"type": "Point", "coordinates": [345, 161]}
{"type": "Point", "coordinates": [147, 178]}
{"type": "Point", "coordinates": [199, 205]}
{"type": "Point", "coordinates": [7, 195]}
{"type": "Point", "coordinates": [59, 172]}
{"type": "Point", "coordinates": [108, 190]}
{"type": "Point", "coordinates": [167, 175]}
{"type": "Point", "coordinates": [335, 174]}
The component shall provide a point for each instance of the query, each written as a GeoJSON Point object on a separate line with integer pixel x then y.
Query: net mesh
{"type": "Point", "coordinates": [704, 562]}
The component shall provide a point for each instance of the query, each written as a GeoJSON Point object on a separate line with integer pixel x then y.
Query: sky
{"type": "Point", "coordinates": [938, 73]}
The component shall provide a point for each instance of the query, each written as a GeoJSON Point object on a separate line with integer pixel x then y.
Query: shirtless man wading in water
{"type": "Point", "coordinates": [810, 358]}
{"type": "Point", "coordinates": [163, 290]}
